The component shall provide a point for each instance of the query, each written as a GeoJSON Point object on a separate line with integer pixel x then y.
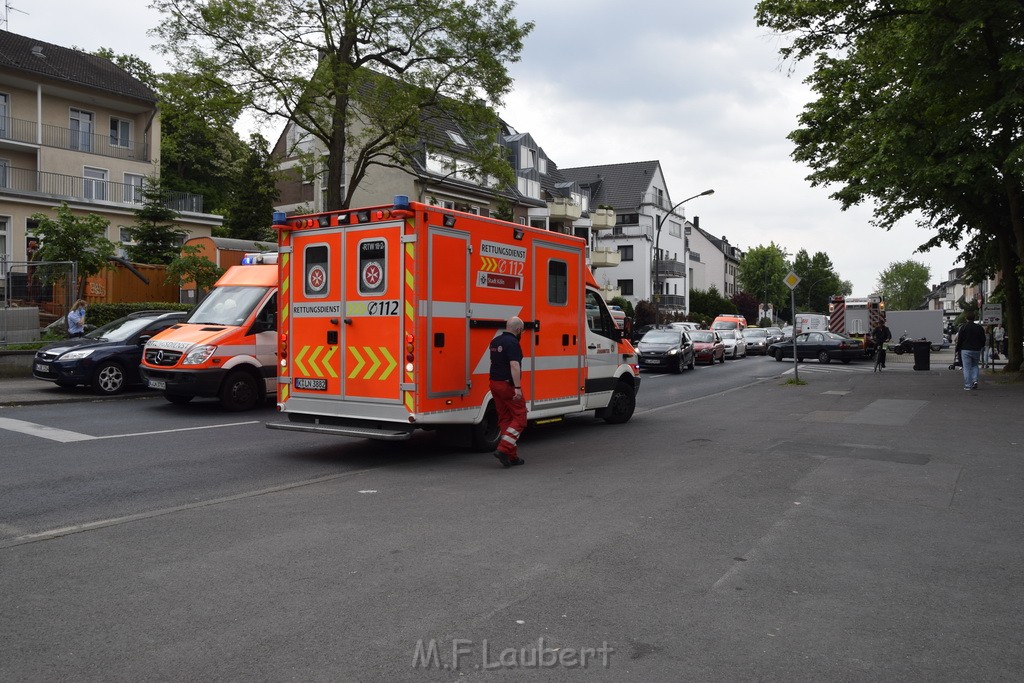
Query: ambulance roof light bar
{"type": "Point", "coordinates": [258, 258]}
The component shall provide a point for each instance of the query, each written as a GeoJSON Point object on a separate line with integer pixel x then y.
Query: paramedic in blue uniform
{"type": "Point", "coordinates": [507, 390]}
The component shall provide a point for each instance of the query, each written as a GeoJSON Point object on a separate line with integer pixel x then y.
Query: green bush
{"type": "Point", "coordinates": [101, 314]}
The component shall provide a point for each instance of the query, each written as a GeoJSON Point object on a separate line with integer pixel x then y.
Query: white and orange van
{"type": "Point", "coordinates": [227, 347]}
{"type": "Point", "coordinates": [386, 316]}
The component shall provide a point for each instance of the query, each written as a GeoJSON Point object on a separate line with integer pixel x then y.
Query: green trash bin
{"type": "Point", "coordinates": [922, 355]}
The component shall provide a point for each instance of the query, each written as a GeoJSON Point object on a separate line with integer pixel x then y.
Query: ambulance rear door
{"type": "Point", "coordinates": [374, 280]}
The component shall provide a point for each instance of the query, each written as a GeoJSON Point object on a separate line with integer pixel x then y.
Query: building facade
{"type": "Point", "coordinates": [76, 129]}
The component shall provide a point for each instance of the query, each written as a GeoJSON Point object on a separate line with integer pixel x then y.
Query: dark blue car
{"type": "Point", "coordinates": [107, 358]}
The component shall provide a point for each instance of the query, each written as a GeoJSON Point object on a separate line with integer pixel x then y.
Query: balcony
{"type": "Point", "coordinates": [29, 133]}
{"type": "Point", "coordinates": [671, 301]}
{"type": "Point", "coordinates": [602, 219]}
{"type": "Point", "coordinates": [564, 209]}
{"type": "Point", "coordinates": [609, 291]}
{"type": "Point", "coordinates": [59, 187]}
{"type": "Point", "coordinates": [605, 258]}
{"type": "Point", "coordinates": [671, 268]}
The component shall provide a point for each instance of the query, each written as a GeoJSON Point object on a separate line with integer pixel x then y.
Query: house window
{"type": "Point", "coordinates": [120, 132]}
{"type": "Point", "coordinates": [457, 139]}
{"type": "Point", "coordinates": [133, 188]}
{"type": "Point", "coordinates": [4, 166]}
{"type": "Point", "coordinates": [626, 252]}
{"type": "Point", "coordinates": [617, 231]}
{"type": "Point", "coordinates": [5, 112]}
{"type": "Point", "coordinates": [542, 166]}
{"type": "Point", "coordinates": [558, 282]}
{"type": "Point", "coordinates": [4, 222]}
{"type": "Point", "coordinates": [81, 130]}
{"type": "Point", "coordinates": [529, 159]}
{"type": "Point", "coordinates": [625, 287]}
{"type": "Point", "coordinates": [95, 183]}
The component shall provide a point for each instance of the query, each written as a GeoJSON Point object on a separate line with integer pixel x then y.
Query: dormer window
{"type": "Point", "coordinates": [457, 139]}
{"type": "Point", "coordinates": [542, 165]}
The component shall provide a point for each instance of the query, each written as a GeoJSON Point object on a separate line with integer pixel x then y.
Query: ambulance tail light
{"type": "Point", "coordinates": [284, 352]}
{"type": "Point", "coordinates": [410, 352]}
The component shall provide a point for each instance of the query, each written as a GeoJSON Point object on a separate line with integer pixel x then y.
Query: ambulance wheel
{"type": "Point", "coordinates": [485, 434]}
{"type": "Point", "coordinates": [239, 392]}
{"type": "Point", "coordinates": [621, 406]}
{"type": "Point", "coordinates": [177, 399]}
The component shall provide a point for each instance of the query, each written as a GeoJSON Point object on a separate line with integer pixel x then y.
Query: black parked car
{"type": "Point", "coordinates": [825, 346]}
{"type": "Point", "coordinates": [666, 348]}
{"type": "Point", "coordinates": [108, 357]}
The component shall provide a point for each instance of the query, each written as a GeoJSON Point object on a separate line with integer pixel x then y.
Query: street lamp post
{"type": "Point", "coordinates": [657, 254]}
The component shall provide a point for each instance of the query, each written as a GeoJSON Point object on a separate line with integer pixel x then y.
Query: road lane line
{"type": "Point", "coordinates": [179, 429]}
{"type": "Point", "coordinates": [65, 436]}
{"type": "Point", "coordinates": [42, 431]}
{"type": "Point", "coordinates": [51, 534]}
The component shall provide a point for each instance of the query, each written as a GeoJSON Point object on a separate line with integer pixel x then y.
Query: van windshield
{"type": "Point", "coordinates": [228, 305]}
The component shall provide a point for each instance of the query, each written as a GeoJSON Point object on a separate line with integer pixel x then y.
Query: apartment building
{"type": "Point", "coordinates": [76, 128]}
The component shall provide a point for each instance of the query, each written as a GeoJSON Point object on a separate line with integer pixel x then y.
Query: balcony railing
{"type": "Point", "coordinates": [19, 130]}
{"type": "Point", "coordinates": [671, 268]}
{"type": "Point", "coordinates": [671, 300]}
{"type": "Point", "coordinates": [65, 187]}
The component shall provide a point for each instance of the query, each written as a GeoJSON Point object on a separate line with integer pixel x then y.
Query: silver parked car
{"type": "Point", "coordinates": [735, 343]}
{"type": "Point", "coordinates": [757, 340]}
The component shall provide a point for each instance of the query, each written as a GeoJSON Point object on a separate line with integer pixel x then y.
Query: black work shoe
{"type": "Point", "coordinates": [517, 461]}
{"type": "Point", "coordinates": [502, 458]}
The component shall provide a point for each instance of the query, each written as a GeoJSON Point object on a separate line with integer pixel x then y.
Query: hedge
{"type": "Point", "coordinates": [98, 315]}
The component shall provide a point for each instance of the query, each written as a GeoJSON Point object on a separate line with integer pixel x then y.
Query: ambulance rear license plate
{"type": "Point", "coordinates": [311, 384]}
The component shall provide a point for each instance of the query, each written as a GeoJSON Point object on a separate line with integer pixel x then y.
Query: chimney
{"type": "Point", "coordinates": [696, 221]}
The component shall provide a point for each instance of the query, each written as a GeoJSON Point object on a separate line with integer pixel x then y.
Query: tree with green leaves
{"type": "Point", "coordinates": [251, 206]}
{"type": "Point", "coordinates": [904, 285]}
{"type": "Point", "coordinates": [364, 79]}
{"type": "Point", "coordinates": [709, 303]}
{"type": "Point", "coordinates": [818, 282]}
{"type": "Point", "coordinates": [69, 237]}
{"type": "Point", "coordinates": [157, 237]}
{"type": "Point", "coordinates": [191, 266]}
{"type": "Point", "coordinates": [761, 273]}
{"type": "Point", "coordinates": [919, 110]}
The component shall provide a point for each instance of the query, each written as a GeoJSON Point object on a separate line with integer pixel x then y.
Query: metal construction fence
{"type": "Point", "coordinates": [33, 294]}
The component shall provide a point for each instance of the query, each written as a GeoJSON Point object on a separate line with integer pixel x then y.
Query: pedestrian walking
{"type": "Point", "coordinates": [507, 389]}
{"type": "Point", "coordinates": [76, 319]}
{"type": "Point", "coordinates": [1000, 336]}
{"type": "Point", "coordinates": [880, 335]}
{"type": "Point", "coordinates": [970, 340]}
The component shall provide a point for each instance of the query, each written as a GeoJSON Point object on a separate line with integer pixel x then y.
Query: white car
{"type": "Point", "coordinates": [735, 344]}
{"type": "Point", "coordinates": [685, 326]}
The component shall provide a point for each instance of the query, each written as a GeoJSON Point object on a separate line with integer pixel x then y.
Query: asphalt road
{"type": "Point", "coordinates": [862, 527]}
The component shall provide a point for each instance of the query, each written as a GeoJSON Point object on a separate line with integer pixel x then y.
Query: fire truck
{"type": "Point", "coordinates": [386, 315]}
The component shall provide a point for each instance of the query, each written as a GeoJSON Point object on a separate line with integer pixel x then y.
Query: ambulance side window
{"type": "Point", "coordinates": [558, 283]}
{"type": "Point", "coordinates": [599, 320]}
{"type": "Point", "coordinates": [266, 321]}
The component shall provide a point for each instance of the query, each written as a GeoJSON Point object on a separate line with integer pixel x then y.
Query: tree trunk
{"type": "Point", "coordinates": [1016, 201]}
{"type": "Point", "coordinates": [1013, 323]}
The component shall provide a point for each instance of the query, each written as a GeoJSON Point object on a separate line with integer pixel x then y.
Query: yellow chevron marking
{"type": "Point", "coordinates": [409, 280]}
{"type": "Point", "coordinates": [409, 310]}
{"type": "Point", "coordinates": [355, 308]}
{"type": "Point", "coordinates": [312, 361]}
{"type": "Point", "coordinates": [359, 362]}
{"type": "Point", "coordinates": [408, 401]}
{"type": "Point", "coordinates": [392, 363]}
{"type": "Point", "coordinates": [326, 362]}
{"type": "Point", "coordinates": [284, 392]}
{"type": "Point", "coordinates": [376, 362]}
{"type": "Point", "coordinates": [298, 360]}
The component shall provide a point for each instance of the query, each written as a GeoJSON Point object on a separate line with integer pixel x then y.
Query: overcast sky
{"type": "Point", "coordinates": [693, 84]}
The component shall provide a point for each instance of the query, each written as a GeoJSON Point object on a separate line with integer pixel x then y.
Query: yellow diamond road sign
{"type": "Point", "coordinates": [792, 280]}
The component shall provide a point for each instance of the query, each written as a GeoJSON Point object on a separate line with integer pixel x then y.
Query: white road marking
{"type": "Point", "coordinates": [65, 436]}
{"type": "Point", "coordinates": [42, 431]}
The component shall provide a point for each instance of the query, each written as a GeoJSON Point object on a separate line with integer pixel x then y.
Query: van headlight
{"type": "Point", "coordinates": [199, 355]}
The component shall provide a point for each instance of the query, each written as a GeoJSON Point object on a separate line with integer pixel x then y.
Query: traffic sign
{"type": "Point", "coordinates": [791, 280]}
{"type": "Point", "coordinates": [992, 314]}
